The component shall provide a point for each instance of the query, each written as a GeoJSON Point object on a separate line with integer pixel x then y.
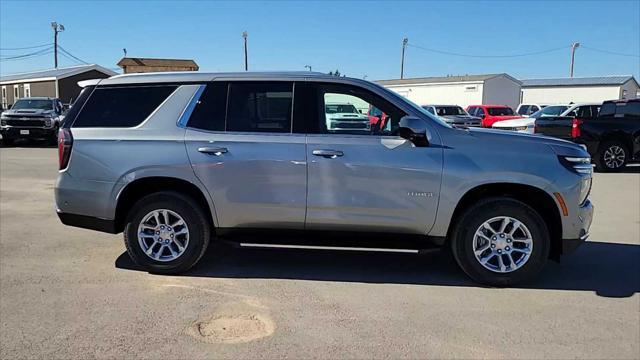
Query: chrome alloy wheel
{"type": "Point", "coordinates": [614, 157]}
{"type": "Point", "coordinates": [502, 244]}
{"type": "Point", "coordinates": [163, 235]}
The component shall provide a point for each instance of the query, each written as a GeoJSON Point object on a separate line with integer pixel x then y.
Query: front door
{"type": "Point", "coordinates": [363, 176]}
{"type": "Point", "coordinates": [240, 143]}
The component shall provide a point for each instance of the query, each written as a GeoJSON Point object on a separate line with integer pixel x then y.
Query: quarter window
{"type": "Point", "coordinates": [260, 107]}
{"type": "Point", "coordinates": [121, 106]}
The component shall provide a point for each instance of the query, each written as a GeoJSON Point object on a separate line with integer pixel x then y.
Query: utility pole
{"type": "Point", "coordinates": [246, 63]}
{"type": "Point", "coordinates": [574, 46]}
{"type": "Point", "coordinates": [308, 67]}
{"type": "Point", "coordinates": [56, 29]}
{"type": "Point", "coordinates": [404, 45]}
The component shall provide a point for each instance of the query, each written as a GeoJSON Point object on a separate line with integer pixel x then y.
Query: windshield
{"type": "Point", "coordinates": [500, 111]}
{"type": "Point", "coordinates": [450, 110]}
{"type": "Point", "coordinates": [340, 108]}
{"type": "Point", "coordinates": [554, 110]}
{"type": "Point", "coordinates": [33, 104]}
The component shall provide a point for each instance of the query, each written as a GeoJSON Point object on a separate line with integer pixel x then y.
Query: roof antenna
{"type": "Point", "coordinates": [124, 50]}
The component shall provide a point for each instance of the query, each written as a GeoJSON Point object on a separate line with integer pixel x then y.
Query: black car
{"type": "Point", "coordinates": [454, 115]}
{"type": "Point", "coordinates": [612, 136]}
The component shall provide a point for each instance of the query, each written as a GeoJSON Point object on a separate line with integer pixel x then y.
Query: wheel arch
{"type": "Point", "coordinates": [141, 187]}
{"type": "Point", "coordinates": [533, 196]}
{"type": "Point", "coordinates": [622, 137]}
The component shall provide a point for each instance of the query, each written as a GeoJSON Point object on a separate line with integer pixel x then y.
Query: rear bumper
{"type": "Point", "coordinates": [88, 222]}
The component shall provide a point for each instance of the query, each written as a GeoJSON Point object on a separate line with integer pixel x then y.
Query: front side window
{"type": "Point", "coordinates": [450, 110]}
{"type": "Point", "coordinates": [480, 112]}
{"type": "Point", "coordinates": [523, 110]}
{"type": "Point", "coordinates": [351, 110]}
{"type": "Point", "coordinates": [122, 106]}
{"type": "Point", "coordinates": [260, 107]}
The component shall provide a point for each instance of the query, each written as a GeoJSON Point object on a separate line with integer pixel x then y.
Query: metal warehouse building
{"type": "Point", "coordinates": [61, 83]}
{"type": "Point", "coordinates": [583, 89]}
{"type": "Point", "coordinates": [459, 90]}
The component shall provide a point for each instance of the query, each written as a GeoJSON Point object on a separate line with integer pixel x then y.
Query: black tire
{"type": "Point", "coordinates": [473, 217]}
{"type": "Point", "coordinates": [195, 218]}
{"type": "Point", "coordinates": [613, 146]}
{"type": "Point", "coordinates": [7, 141]}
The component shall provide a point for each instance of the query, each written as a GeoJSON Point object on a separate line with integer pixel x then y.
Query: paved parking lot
{"type": "Point", "coordinates": [67, 292]}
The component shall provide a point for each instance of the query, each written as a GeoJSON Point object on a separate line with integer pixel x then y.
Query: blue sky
{"type": "Point", "coordinates": [358, 38]}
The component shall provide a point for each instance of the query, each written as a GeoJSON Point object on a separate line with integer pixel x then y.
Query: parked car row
{"type": "Point", "coordinates": [610, 130]}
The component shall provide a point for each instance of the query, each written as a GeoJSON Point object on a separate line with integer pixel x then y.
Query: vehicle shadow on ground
{"type": "Point", "coordinates": [29, 144]}
{"type": "Point", "coordinates": [610, 270]}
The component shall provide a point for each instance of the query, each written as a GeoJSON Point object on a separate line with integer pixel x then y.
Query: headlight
{"type": "Point", "coordinates": [585, 189]}
{"type": "Point", "coordinates": [3, 122]}
{"type": "Point", "coordinates": [47, 122]}
{"type": "Point", "coordinates": [520, 128]}
{"type": "Point", "coordinates": [580, 165]}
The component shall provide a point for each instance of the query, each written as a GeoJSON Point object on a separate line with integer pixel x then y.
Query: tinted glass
{"type": "Point", "coordinates": [450, 110]}
{"type": "Point", "coordinates": [631, 109]}
{"type": "Point", "coordinates": [550, 111]}
{"type": "Point", "coordinates": [209, 113]}
{"type": "Point", "coordinates": [121, 106]}
{"type": "Point", "coordinates": [608, 109]}
{"type": "Point", "coordinates": [33, 104]}
{"type": "Point", "coordinates": [472, 111]}
{"type": "Point", "coordinates": [429, 109]}
{"type": "Point", "coordinates": [500, 111]}
{"type": "Point", "coordinates": [364, 112]}
{"type": "Point", "coordinates": [76, 107]}
{"type": "Point", "coordinates": [523, 110]}
{"type": "Point", "coordinates": [260, 107]}
{"type": "Point", "coordinates": [480, 112]}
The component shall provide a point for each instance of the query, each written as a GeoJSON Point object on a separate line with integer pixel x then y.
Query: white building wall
{"type": "Point", "coordinates": [463, 94]}
{"type": "Point", "coordinates": [501, 91]}
{"type": "Point", "coordinates": [567, 94]}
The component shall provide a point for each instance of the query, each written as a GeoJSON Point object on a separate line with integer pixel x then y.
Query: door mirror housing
{"type": "Point", "coordinates": [414, 129]}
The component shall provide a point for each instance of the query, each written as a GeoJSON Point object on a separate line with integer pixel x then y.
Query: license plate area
{"type": "Point", "coordinates": [24, 132]}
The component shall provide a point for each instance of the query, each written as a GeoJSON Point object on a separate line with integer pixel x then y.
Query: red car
{"type": "Point", "coordinates": [491, 114]}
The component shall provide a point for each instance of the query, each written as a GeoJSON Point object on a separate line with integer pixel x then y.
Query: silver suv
{"type": "Point", "coordinates": [179, 160]}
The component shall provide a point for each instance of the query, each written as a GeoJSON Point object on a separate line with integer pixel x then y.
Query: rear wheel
{"type": "Point", "coordinates": [501, 242]}
{"type": "Point", "coordinates": [7, 141]}
{"type": "Point", "coordinates": [166, 232]}
{"type": "Point", "coordinates": [612, 156]}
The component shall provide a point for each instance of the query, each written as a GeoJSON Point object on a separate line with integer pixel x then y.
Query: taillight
{"type": "Point", "coordinates": [575, 128]}
{"type": "Point", "coordinates": [65, 142]}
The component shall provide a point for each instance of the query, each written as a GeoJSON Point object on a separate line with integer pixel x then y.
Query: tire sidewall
{"type": "Point", "coordinates": [471, 221]}
{"type": "Point", "coordinates": [192, 215]}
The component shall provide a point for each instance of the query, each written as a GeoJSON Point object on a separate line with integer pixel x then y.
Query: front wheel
{"type": "Point", "coordinates": [501, 242]}
{"type": "Point", "coordinates": [167, 232]}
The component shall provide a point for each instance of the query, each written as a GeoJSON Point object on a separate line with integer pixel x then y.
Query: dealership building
{"type": "Point", "coordinates": [579, 89]}
{"type": "Point", "coordinates": [459, 90]}
{"type": "Point", "coordinates": [59, 83]}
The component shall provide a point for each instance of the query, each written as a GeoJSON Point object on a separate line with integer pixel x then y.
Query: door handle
{"type": "Point", "coordinates": [329, 154]}
{"type": "Point", "coordinates": [217, 151]}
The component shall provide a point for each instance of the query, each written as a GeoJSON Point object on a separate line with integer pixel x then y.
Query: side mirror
{"type": "Point", "coordinates": [415, 130]}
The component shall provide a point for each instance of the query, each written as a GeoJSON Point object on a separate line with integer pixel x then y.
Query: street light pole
{"type": "Point", "coordinates": [246, 61]}
{"type": "Point", "coordinates": [404, 45]}
{"type": "Point", "coordinates": [56, 29]}
{"type": "Point", "coordinates": [574, 46]}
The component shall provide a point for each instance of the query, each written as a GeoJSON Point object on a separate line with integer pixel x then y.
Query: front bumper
{"type": "Point", "coordinates": [585, 217]}
{"type": "Point", "coordinates": [21, 132]}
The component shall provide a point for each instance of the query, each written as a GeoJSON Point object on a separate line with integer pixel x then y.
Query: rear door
{"type": "Point", "coordinates": [367, 179]}
{"type": "Point", "coordinates": [241, 146]}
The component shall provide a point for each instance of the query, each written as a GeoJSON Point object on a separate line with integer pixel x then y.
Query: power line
{"type": "Point", "coordinates": [610, 52]}
{"type": "Point", "coordinates": [487, 56]}
{"type": "Point", "coordinates": [71, 55]}
{"type": "Point", "coordinates": [27, 47]}
{"type": "Point", "coordinates": [16, 58]}
{"type": "Point", "coordinates": [21, 56]}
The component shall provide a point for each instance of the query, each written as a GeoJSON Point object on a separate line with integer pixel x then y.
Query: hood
{"type": "Point", "coordinates": [505, 117]}
{"type": "Point", "coordinates": [561, 147]}
{"type": "Point", "coordinates": [515, 122]}
{"type": "Point", "coordinates": [27, 112]}
{"type": "Point", "coordinates": [455, 119]}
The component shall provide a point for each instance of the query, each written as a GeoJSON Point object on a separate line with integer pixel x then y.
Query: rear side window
{"type": "Point", "coordinates": [620, 109]}
{"type": "Point", "coordinates": [524, 110]}
{"type": "Point", "coordinates": [209, 113]}
{"type": "Point", "coordinates": [260, 107]}
{"type": "Point", "coordinates": [76, 106]}
{"type": "Point", "coordinates": [122, 106]}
